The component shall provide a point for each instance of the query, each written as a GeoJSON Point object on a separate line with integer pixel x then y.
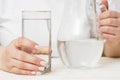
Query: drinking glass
{"type": "Point", "coordinates": [36, 26]}
{"type": "Point", "coordinates": [79, 44]}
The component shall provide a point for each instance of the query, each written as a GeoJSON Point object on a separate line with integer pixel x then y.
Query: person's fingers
{"type": "Point", "coordinates": [30, 46]}
{"type": "Point", "coordinates": [109, 14]}
{"type": "Point", "coordinates": [26, 66]}
{"type": "Point", "coordinates": [25, 57]}
{"type": "Point", "coordinates": [43, 50]}
{"type": "Point", "coordinates": [110, 22]}
{"type": "Point", "coordinates": [105, 2]}
{"type": "Point", "coordinates": [108, 30]}
{"type": "Point", "coordinates": [107, 36]}
{"type": "Point", "coordinates": [25, 44]}
{"type": "Point", "coordinates": [22, 72]}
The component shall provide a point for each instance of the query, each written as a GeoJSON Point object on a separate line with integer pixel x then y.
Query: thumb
{"type": "Point", "coordinates": [105, 2]}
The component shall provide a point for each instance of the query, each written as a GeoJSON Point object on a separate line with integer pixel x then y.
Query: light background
{"type": "Point", "coordinates": [12, 14]}
{"type": "Point", "coordinates": [10, 17]}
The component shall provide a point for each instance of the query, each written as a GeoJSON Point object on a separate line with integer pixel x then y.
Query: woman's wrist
{"type": "Point", "coordinates": [2, 50]}
{"type": "Point", "coordinates": [112, 50]}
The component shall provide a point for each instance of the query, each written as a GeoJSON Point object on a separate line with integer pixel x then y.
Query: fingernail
{"type": "Point", "coordinates": [43, 63]}
{"type": "Point", "coordinates": [33, 73]}
{"type": "Point", "coordinates": [41, 68]}
{"type": "Point", "coordinates": [36, 47]}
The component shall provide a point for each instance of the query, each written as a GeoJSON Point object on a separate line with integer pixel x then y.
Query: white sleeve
{"type": "Point", "coordinates": [114, 5]}
{"type": "Point", "coordinates": [5, 36]}
{"type": "Point", "coordinates": [6, 22]}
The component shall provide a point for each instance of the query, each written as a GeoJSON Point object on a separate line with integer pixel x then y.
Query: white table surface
{"type": "Point", "coordinates": [107, 69]}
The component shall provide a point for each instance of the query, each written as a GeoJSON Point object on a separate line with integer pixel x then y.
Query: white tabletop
{"type": "Point", "coordinates": [107, 69]}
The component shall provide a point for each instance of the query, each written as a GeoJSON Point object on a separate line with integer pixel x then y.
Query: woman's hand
{"type": "Point", "coordinates": [110, 25]}
{"type": "Point", "coordinates": [109, 29]}
{"type": "Point", "coordinates": [17, 57]}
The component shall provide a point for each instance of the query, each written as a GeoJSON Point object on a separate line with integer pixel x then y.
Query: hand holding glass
{"type": "Point", "coordinates": [36, 26]}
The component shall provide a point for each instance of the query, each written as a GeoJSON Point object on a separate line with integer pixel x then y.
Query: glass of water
{"type": "Point", "coordinates": [36, 26]}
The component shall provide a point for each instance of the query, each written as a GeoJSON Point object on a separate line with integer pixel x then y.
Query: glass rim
{"type": "Point", "coordinates": [35, 11]}
{"type": "Point", "coordinates": [36, 14]}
